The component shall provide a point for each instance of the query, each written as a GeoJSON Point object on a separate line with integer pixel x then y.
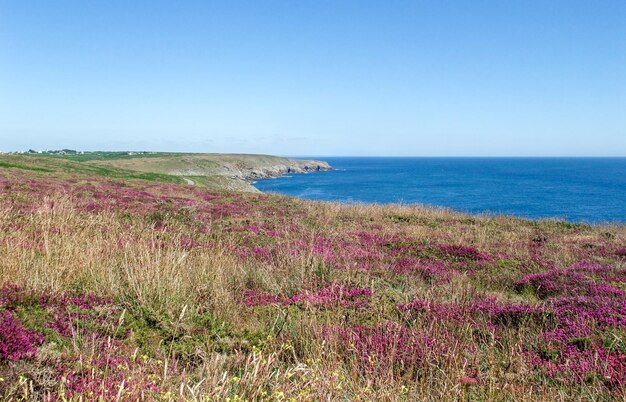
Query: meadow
{"type": "Point", "coordinates": [118, 287]}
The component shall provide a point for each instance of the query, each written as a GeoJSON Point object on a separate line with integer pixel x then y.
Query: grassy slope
{"type": "Point", "coordinates": [231, 295]}
{"type": "Point", "coordinates": [80, 165]}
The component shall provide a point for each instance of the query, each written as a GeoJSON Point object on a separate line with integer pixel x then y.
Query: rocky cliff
{"type": "Point", "coordinates": [242, 174]}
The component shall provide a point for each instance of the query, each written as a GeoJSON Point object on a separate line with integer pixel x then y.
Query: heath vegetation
{"type": "Point", "coordinates": [126, 289]}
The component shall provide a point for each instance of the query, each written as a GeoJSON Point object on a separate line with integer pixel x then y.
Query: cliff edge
{"type": "Point", "coordinates": [219, 171]}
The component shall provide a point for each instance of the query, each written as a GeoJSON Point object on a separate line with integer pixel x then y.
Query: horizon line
{"type": "Point", "coordinates": [37, 152]}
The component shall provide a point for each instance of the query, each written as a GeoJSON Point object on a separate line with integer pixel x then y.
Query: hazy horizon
{"type": "Point", "coordinates": [367, 78]}
{"type": "Point", "coordinates": [25, 151]}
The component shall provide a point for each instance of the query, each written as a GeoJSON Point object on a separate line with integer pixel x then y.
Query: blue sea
{"type": "Point", "coordinates": [590, 190]}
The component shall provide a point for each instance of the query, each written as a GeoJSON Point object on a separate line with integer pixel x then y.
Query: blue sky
{"type": "Point", "coordinates": [315, 77]}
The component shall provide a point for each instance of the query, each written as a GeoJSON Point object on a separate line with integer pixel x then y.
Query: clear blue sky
{"type": "Point", "coordinates": [315, 77]}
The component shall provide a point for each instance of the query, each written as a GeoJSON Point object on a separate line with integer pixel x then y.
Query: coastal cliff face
{"type": "Point", "coordinates": [241, 174]}
{"type": "Point", "coordinates": [291, 166]}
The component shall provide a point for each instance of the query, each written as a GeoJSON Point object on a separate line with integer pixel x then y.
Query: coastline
{"type": "Point", "coordinates": [295, 166]}
{"type": "Point", "coordinates": [244, 177]}
{"type": "Point", "coordinates": [575, 190]}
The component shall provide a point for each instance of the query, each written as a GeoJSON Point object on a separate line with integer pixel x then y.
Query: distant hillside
{"type": "Point", "coordinates": [216, 171]}
{"type": "Point", "coordinates": [235, 170]}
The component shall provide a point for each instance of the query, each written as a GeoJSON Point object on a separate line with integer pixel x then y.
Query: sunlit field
{"type": "Point", "coordinates": [124, 289]}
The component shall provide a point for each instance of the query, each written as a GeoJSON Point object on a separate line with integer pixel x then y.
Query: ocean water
{"type": "Point", "coordinates": [591, 190]}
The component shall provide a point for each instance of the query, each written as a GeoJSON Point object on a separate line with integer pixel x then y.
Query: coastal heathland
{"type": "Point", "coordinates": [123, 283]}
